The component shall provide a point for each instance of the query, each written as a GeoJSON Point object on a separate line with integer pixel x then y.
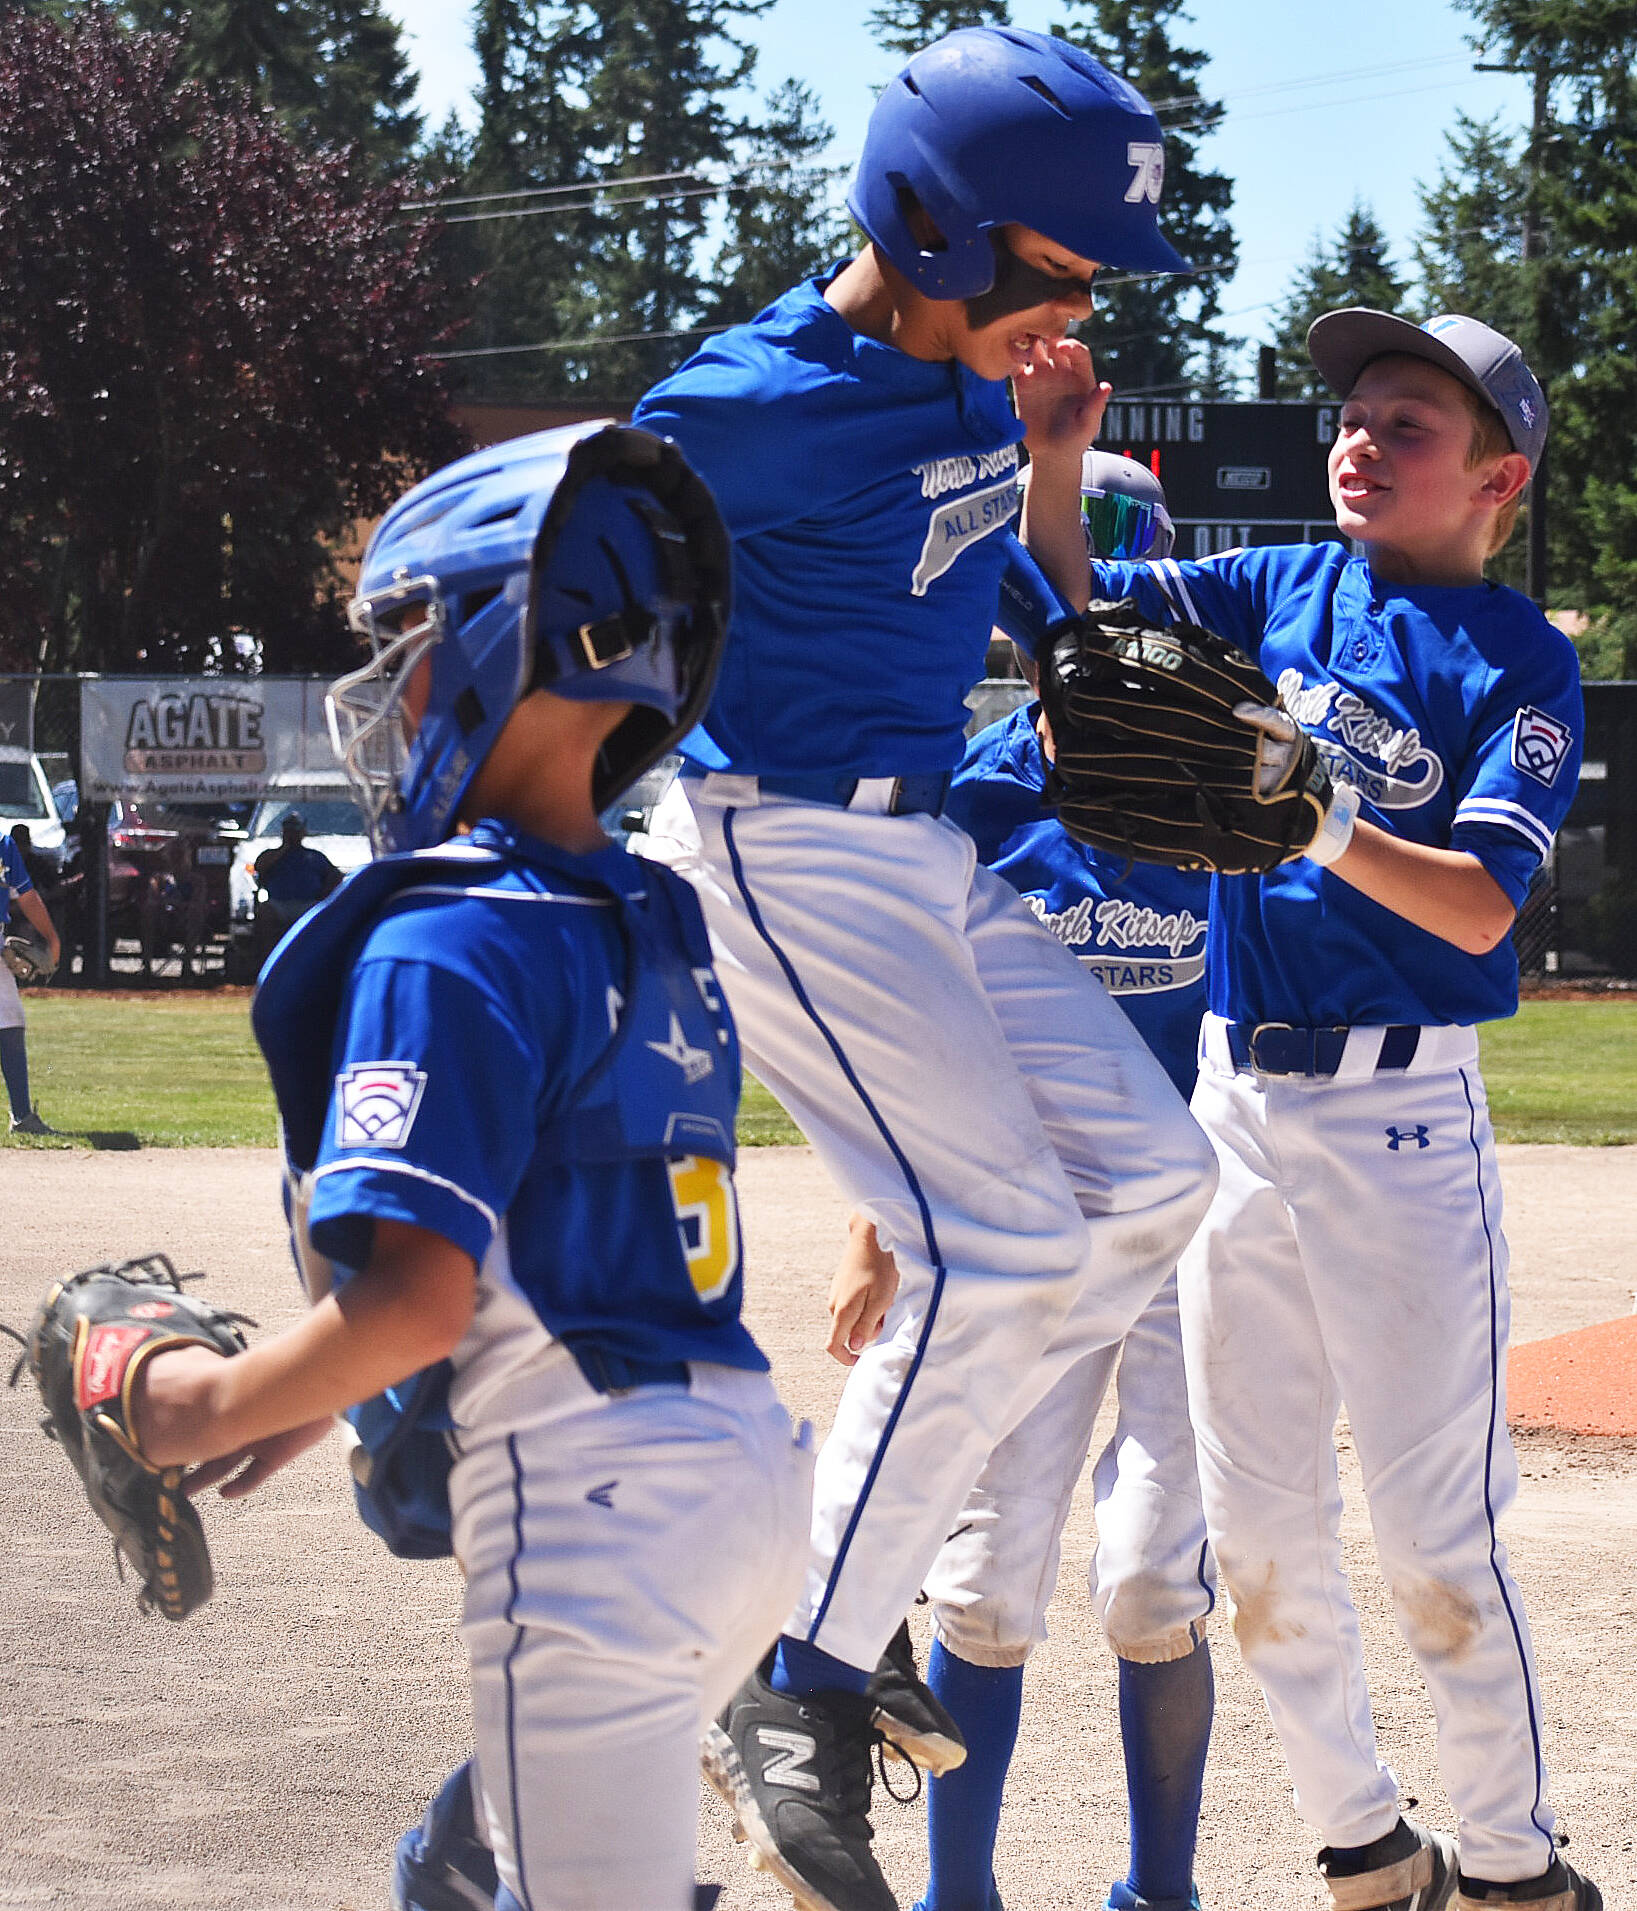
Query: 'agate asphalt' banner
{"type": "Point", "coordinates": [204, 737]}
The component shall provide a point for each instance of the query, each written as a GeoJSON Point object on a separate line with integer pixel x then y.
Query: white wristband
{"type": "Point", "coordinates": [1335, 832]}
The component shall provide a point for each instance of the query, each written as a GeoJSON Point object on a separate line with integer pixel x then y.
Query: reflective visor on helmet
{"type": "Point", "coordinates": [1126, 529]}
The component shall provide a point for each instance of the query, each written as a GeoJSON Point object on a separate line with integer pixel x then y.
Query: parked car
{"type": "Point", "coordinates": [335, 828]}
{"type": "Point", "coordinates": [25, 797]}
{"type": "Point", "coordinates": [168, 868]}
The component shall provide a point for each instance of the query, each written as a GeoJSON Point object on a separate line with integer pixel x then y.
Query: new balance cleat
{"type": "Point", "coordinates": [1560, 1889]}
{"type": "Point", "coordinates": [1417, 1872]}
{"type": "Point", "coordinates": [796, 1774]}
{"type": "Point", "coordinates": [913, 1725]}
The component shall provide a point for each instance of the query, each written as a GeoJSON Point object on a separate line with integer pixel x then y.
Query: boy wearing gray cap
{"type": "Point", "coordinates": [1353, 1255]}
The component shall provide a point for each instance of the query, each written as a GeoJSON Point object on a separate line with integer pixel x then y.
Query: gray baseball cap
{"type": "Point", "coordinates": [1342, 343]}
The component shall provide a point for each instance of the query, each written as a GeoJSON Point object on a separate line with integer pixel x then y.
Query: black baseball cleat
{"type": "Point", "coordinates": [796, 1774]}
{"type": "Point", "coordinates": [442, 1864]}
{"type": "Point", "coordinates": [1560, 1889]}
{"type": "Point", "coordinates": [1410, 1869]}
{"type": "Point", "coordinates": [912, 1724]}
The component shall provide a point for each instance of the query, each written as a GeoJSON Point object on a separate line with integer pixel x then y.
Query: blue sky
{"type": "Point", "coordinates": [1325, 104]}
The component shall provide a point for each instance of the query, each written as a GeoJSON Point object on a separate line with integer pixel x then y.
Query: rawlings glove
{"type": "Point", "coordinates": [1171, 746]}
{"type": "Point", "coordinates": [85, 1348]}
{"type": "Point", "coordinates": [27, 954]}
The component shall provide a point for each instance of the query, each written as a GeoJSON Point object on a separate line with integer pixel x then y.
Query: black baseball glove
{"type": "Point", "coordinates": [1171, 746]}
{"type": "Point", "coordinates": [88, 1341]}
{"type": "Point", "coordinates": [27, 954]}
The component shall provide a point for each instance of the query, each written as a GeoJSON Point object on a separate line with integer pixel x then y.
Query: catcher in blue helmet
{"type": "Point", "coordinates": [507, 1086]}
{"type": "Point", "coordinates": [979, 1099]}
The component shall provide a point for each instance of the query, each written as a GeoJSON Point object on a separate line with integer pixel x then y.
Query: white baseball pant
{"type": "Point", "coordinates": [628, 1558]}
{"type": "Point", "coordinates": [976, 1093]}
{"type": "Point", "coordinates": [1152, 1580]}
{"type": "Point", "coordinates": [1353, 1256]}
{"type": "Point", "coordinates": [11, 999]}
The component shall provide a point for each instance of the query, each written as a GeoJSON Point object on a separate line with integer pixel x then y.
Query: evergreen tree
{"type": "Point", "coordinates": [510, 230]}
{"type": "Point", "coordinates": [1352, 270]}
{"type": "Point", "coordinates": [366, 92]}
{"type": "Point", "coordinates": [1577, 293]}
{"type": "Point", "coordinates": [782, 221]}
{"type": "Point", "coordinates": [269, 47]}
{"type": "Point", "coordinates": [629, 101]}
{"type": "Point", "coordinates": [1156, 334]}
{"type": "Point", "coordinates": [334, 69]}
{"type": "Point", "coordinates": [1470, 246]}
{"type": "Point", "coordinates": [656, 96]}
{"type": "Point", "coordinates": [905, 26]}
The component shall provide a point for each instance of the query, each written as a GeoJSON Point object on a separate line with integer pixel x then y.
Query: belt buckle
{"type": "Point", "coordinates": [1256, 1034]}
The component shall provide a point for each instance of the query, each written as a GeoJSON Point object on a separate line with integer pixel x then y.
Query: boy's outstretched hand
{"type": "Point", "coordinates": [1061, 401]}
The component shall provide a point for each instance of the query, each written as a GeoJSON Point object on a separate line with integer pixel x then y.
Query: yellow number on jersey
{"type": "Point", "coordinates": [707, 1214]}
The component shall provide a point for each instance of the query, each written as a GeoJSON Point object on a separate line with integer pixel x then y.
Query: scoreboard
{"type": "Point", "coordinates": [1234, 474]}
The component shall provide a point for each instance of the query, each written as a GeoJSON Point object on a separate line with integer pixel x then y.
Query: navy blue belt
{"type": "Point", "coordinates": [619, 1373]}
{"type": "Point", "coordinates": [911, 795]}
{"type": "Point", "coordinates": [1275, 1048]}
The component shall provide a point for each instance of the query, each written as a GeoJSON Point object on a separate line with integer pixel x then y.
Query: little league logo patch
{"type": "Point", "coordinates": [378, 1103]}
{"type": "Point", "coordinates": [1539, 744]}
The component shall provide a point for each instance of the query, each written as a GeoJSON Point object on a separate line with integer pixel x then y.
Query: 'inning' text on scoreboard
{"type": "Point", "coordinates": [1233, 473]}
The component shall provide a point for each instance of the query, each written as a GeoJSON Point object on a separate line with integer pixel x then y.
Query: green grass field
{"type": "Point", "coordinates": [126, 1071]}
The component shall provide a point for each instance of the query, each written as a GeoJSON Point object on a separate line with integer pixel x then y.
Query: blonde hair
{"type": "Point", "coordinates": [1491, 439]}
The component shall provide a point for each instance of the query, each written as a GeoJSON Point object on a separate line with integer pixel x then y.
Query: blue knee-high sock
{"type": "Point", "coordinates": [803, 1670]}
{"type": "Point", "coordinates": [1165, 1726]}
{"type": "Point", "coordinates": [14, 1068]}
{"type": "Point", "coordinates": [963, 1808]}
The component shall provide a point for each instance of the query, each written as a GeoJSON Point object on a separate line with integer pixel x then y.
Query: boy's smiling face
{"type": "Point", "coordinates": [997, 342]}
{"type": "Point", "coordinates": [1400, 479]}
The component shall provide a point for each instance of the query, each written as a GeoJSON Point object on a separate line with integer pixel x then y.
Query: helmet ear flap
{"type": "Point", "coordinates": [694, 555]}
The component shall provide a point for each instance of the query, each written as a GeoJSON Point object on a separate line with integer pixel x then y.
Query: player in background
{"type": "Point", "coordinates": [17, 891]}
{"type": "Point", "coordinates": [1140, 930]}
{"type": "Point", "coordinates": [972, 1089]}
{"type": "Point", "coordinates": [507, 1087]}
{"type": "Point", "coordinates": [1353, 1254]}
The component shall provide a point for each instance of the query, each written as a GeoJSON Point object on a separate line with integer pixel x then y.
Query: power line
{"type": "Point", "coordinates": [599, 201]}
{"type": "Point", "coordinates": [1319, 79]}
{"type": "Point", "coordinates": [579, 344]}
{"type": "Point", "coordinates": [535, 192]}
{"type": "Point", "coordinates": [1208, 117]}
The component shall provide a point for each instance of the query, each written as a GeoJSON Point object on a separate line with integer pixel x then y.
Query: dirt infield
{"type": "Point", "coordinates": [264, 1756]}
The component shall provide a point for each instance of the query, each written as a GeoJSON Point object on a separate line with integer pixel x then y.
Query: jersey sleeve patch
{"type": "Point", "coordinates": [1540, 744]}
{"type": "Point", "coordinates": [378, 1102]}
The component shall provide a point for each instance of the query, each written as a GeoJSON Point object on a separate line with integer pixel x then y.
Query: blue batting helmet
{"type": "Point", "coordinates": [590, 561]}
{"type": "Point", "coordinates": [995, 126]}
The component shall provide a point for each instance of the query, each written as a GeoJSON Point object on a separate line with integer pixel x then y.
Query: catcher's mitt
{"type": "Point", "coordinates": [85, 1348]}
{"type": "Point", "coordinates": [27, 954]}
{"type": "Point", "coordinates": [1170, 746]}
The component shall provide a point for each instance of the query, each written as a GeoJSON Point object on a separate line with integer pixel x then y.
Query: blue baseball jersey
{"type": "Point", "coordinates": [1456, 713]}
{"type": "Point", "coordinates": [14, 877]}
{"type": "Point", "coordinates": [862, 489]}
{"type": "Point", "coordinates": [530, 1058]}
{"type": "Point", "coordinates": [1139, 928]}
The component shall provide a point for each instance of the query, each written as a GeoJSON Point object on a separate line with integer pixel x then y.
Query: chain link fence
{"type": "Point", "coordinates": [139, 907]}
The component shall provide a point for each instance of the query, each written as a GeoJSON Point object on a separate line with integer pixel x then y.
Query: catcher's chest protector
{"type": "Point", "coordinates": [674, 1092]}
